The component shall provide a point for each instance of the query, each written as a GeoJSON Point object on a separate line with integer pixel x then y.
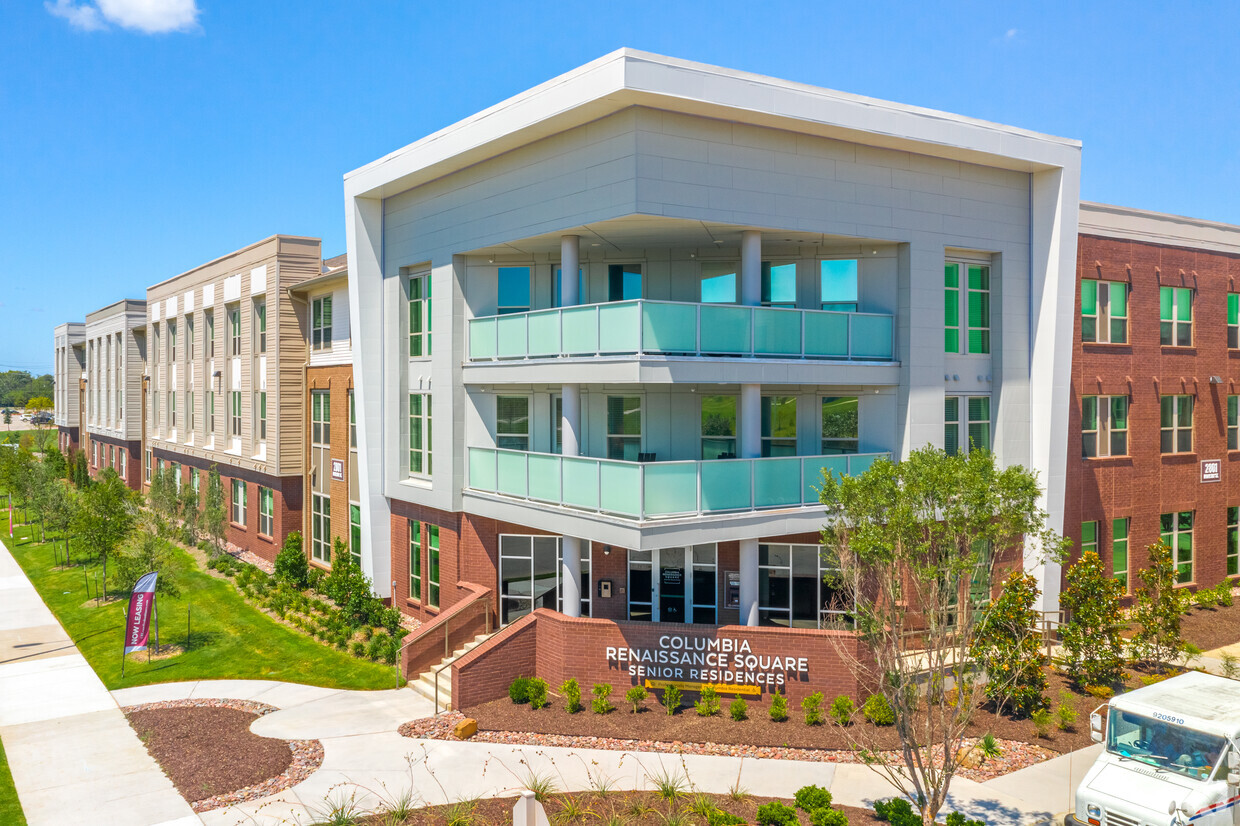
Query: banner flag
{"type": "Point", "coordinates": [138, 623]}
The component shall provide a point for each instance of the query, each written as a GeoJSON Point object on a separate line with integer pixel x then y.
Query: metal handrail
{"type": "Point", "coordinates": [447, 645]}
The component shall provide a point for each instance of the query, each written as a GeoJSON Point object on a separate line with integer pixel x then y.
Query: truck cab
{"type": "Point", "coordinates": [1172, 756]}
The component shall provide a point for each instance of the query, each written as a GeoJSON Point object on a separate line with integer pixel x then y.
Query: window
{"type": "Point", "coordinates": [154, 350]}
{"type": "Point", "coordinates": [794, 589]}
{"type": "Point", "coordinates": [238, 502]}
{"type": "Point", "coordinates": [432, 565]}
{"type": "Point", "coordinates": [718, 427]}
{"type": "Point", "coordinates": [266, 511]}
{"type": "Point", "coordinates": [320, 418]}
{"type": "Point", "coordinates": [531, 576]}
{"type": "Point", "coordinates": [978, 423]}
{"type": "Point", "coordinates": [779, 426]}
{"type": "Point", "coordinates": [969, 302]}
{"type": "Point", "coordinates": [189, 410]}
{"type": "Point", "coordinates": [1233, 321]}
{"type": "Point", "coordinates": [124, 455]}
{"type": "Point", "coordinates": [420, 316]}
{"type": "Point", "coordinates": [355, 533]}
{"type": "Point", "coordinates": [557, 423]}
{"type": "Point", "coordinates": [189, 338]}
{"type": "Point", "coordinates": [838, 285]}
{"type": "Point", "coordinates": [154, 408]}
{"type": "Point", "coordinates": [208, 343]}
{"type": "Point", "coordinates": [1232, 409]}
{"type": "Point", "coordinates": [557, 299]}
{"type": "Point", "coordinates": [1233, 541]}
{"type": "Point", "coordinates": [624, 282]}
{"type": "Point", "coordinates": [512, 422]}
{"type": "Point", "coordinates": [839, 425]}
{"type": "Point", "coordinates": [172, 340]}
{"type": "Point", "coordinates": [513, 290]}
{"type": "Point", "coordinates": [321, 528]}
{"type": "Point", "coordinates": [420, 433]}
{"type": "Point", "coordinates": [321, 323]}
{"type": "Point", "coordinates": [260, 405]}
{"type": "Point", "coordinates": [1104, 426]}
{"type": "Point", "coordinates": [1177, 534]}
{"type": "Point", "coordinates": [147, 467]}
{"type": "Point", "coordinates": [208, 407]}
{"type": "Point", "coordinates": [352, 422]}
{"type": "Point", "coordinates": [234, 331]}
{"type": "Point", "coordinates": [193, 479]}
{"type": "Point", "coordinates": [415, 560]}
{"type": "Point", "coordinates": [235, 412]}
{"type": "Point", "coordinates": [624, 428]}
{"type": "Point", "coordinates": [1089, 538]}
{"type": "Point", "coordinates": [1177, 424]}
{"type": "Point", "coordinates": [719, 283]}
{"type": "Point", "coordinates": [1104, 311]}
{"type": "Point", "coordinates": [112, 456]}
{"type": "Point", "coordinates": [1175, 314]}
{"type": "Point", "coordinates": [260, 326]}
{"type": "Point", "coordinates": [779, 285]}
{"type": "Point", "coordinates": [1119, 551]}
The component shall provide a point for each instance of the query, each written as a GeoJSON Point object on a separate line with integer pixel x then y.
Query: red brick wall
{"type": "Point", "coordinates": [566, 647]}
{"type": "Point", "coordinates": [67, 439]}
{"type": "Point", "coordinates": [1145, 484]}
{"type": "Point", "coordinates": [338, 381]}
{"type": "Point", "coordinates": [111, 458]}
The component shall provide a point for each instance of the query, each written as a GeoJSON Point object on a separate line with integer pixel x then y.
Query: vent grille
{"type": "Point", "coordinates": [1115, 819]}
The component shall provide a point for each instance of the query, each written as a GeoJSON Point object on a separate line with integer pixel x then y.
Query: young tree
{"type": "Point", "coordinates": [914, 543]}
{"type": "Point", "coordinates": [61, 507]}
{"type": "Point", "coordinates": [189, 510]}
{"type": "Point", "coordinates": [291, 565]}
{"type": "Point", "coordinates": [1092, 644]}
{"type": "Point", "coordinates": [215, 511]}
{"type": "Point", "coordinates": [1005, 645]}
{"type": "Point", "coordinates": [106, 517]}
{"type": "Point", "coordinates": [143, 553]}
{"type": "Point", "coordinates": [54, 460]}
{"type": "Point", "coordinates": [1158, 609]}
{"type": "Point", "coordinates": [163, 499]}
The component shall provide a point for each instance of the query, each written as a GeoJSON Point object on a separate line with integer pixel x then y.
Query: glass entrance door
{"type": "Point", "coordinates": [672, 585]}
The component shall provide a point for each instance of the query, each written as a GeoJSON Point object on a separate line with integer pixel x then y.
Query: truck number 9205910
{"type": "Point", "coordinates": [1168, 718]}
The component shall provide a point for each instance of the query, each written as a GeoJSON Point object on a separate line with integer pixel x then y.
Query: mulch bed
{"type": "Point", "coordinates": [628, 807]}
{"type": "Point", "coordinates": [209, 753]}
{"type": "Point", "coordinates": [1209, 628]}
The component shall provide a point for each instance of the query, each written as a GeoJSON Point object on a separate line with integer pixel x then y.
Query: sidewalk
{"type": "Point", "coordinates": [73, 756]}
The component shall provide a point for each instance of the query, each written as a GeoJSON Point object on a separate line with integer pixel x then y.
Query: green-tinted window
{"type": "Point", "coordinates": [951, 308]}
{"type": "Point", "coordinates": [432, 593]}
{"type": "Point", "coordinates": [839, 425]}
{"type": "Point", "coordinates": [624, 427]}
{"type": "Point", "coordinates": [1233, 541]}
{"type": "Point", "coordinates": [979, 309]}
{"type": "Point", "coordinates": [415, 560]}
{"type": "Point", "coordinates": [1233, 321]}
{"type": "Point", "coordinates": [979, 423]}
{"type": "Point", "coordinates": [1089, 310]}
{"type": "Point", "coordinates": [779, 426]}
{"type": "Point", "coordinates": [1104, 426]}
{"type": "Point", "coordinates": [1119, 551]}
{"type": "Point", "coordinates": [718, 427]}
{"type": "Point", "coordinates": [951, 425]}
{"type": "Point", "coordinates": [1175, 313]}
{"type": "Point", "coordinates": [419, 316]}
{"type": "Point", "coordinates": [1177, 534]}
{"type": "Point", "coordinates": [1089, 537]}
{"type": "Point", "coordinates": [420, 433]}
{"type": "Point", "coordinates": [1232, 409]}
{"type": "Point", "coordinates": [1104, 311]}
{"type": "Point", "coordinates": [355, 533]}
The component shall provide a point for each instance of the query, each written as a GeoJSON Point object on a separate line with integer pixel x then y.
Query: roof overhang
{"type": "Point", "coordinates": [1158, 228]}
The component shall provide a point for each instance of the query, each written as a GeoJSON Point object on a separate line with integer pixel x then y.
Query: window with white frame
{"type": "Point", "coordinates": [512, 422]}
{"type": "Point", "coordinates": [1233, 541]}
{"type": "Point", "coordinates": [321, 323]}
{"type": "Point", "coordinates": [415, 560]}
{"type": "Point", "coordinates": [123, 464]}
{"type": "Point", "coordinates": [321, 527]}
{"type": "Point", "coordinates": [260, 415]}
{"type": "Point", "coordinates": [355, 533]}
{"type": "Point", "coordinates": [147, 467]}
{"type": "Point", "coordinates": [234, 330]}
{"type": "Point", "coordinates": [260, 326]}
{"type": "Point", "coordinates": [1175, 316]}
{"type": "Point", "coordinates": [320, 418]}
{"type": "Point", "coordinates": [1119, 551]}
{"type": "Point", "coordinates": [432, 566]}
{"type": "Point", "coordinates": [1089, 538]}
{"type": "Point", "coordinates": [238, 502]}
{"type": "Point", "coordinates": [1233, 409]}
{"type": "Point", "coordinates": [172, 409]}
{"type": "Point", "coordinates": [208, 410]}
{"type": "Point", "coordinates": [189, 410]}
{"type": "Point", "coordinates": [624, 428]}
{"type": "Point", "coordinates": [1233, 321]}
{"type": "Point", "coordinates": [1104, 311]}
{"type": "Point", "coordinates": [966, 299]}
{"type": "Point", "coordinates": [234, 412]}
{"type": "Point", "coordinates": [1176, 532]}
{"type": "Point", "coordinates": [208, 339]}
{"type": "Point", "coordinates": [420, 434]}
{"type": "Point", "coordinates": [189, 337]}
{"type": "Point", "coordinates": [797, 589]}
{"type": "Point", "coordinates": [172, 340]}
{"type": "Point", "coordinates": [266, 511]}
{"type": "Point", "coordinates": [1176, 420]}
{"type": "Point", "coordinates": [193, 479]}
{"type": "Point", "coordinates": [976, 424]}
{"type": "Point", "coordinates": [420, 315]}
{"type": "Point", "coordinates": [1104, 426]}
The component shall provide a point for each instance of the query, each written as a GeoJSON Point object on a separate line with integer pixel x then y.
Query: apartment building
{"type": "Point", "coordinates": [68, 342]}
{"type": "Point", "coordinates": [333, 507]}
{"type": "Point", "coordinates": [765, 280]}
{"type": "Point", "coordinates": [115, 347]}
{"type": "Point", "coordinates": [1155, 389]}
{"type": "Point", "coordinates": [225, 384]}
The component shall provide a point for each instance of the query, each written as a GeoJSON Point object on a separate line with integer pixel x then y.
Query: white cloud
{"type": "Point", "coordinates": [146, 16]}
{"type": "Point", "coordinates": [1010, 34]}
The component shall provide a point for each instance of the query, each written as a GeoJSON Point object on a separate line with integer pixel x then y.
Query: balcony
{"type": "Point", "coordinates": [655, 490]}
{"type": "Point", "coordinates": [682, 329]}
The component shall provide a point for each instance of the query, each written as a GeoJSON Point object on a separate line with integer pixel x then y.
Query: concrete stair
{"type": "Point", "coordinates": [425, 683]}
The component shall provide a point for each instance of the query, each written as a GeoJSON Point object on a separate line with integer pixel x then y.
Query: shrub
{"type": "Point", "coordinates": [671, 699]}
{"type": "Point", "coordinates": [1065, 712]}
{"type": "Point", "coordinates": [519, 690]}
{"type": "Point", "coordinates": [739, 709]}
{"type": "Point", "coordinates": [1102, 692]}
{"type": "Point", "coordinates": [812, 706]}
{"type": "Point", "coordinates": [368, 631]}
{"type": "Point", "coordinates": [538, 692]}
{"type": "Point", "coordinates": [1222, 592]}
{"type": "Point", "coordinates": [1093, 647]}
{"type": "Point", "coordinates": [1231, 666]}
{"type": "Point", "coordinates": [378, 646]}
{"type": "Point", "coordinates": [1041, 718]}
{"type": "Point", "coordinates": [599, 704]}
{"type": "Point", "coordinates": [708, 704]}
{"type": "Point", "coordinates": [779, 707]}
{"type": "Point", "coordinates": [776, 814]}
{"type": "Point", "coordinates": [1206, 598]}
{"type": "Point", "coordinates": [392, 651]}
{"type": "Point", "coordinates": [842, 710]}
{"type": "Point", "coordinates": [897, 812]}
{"type": "Point", "coordinates": [1007, 647]}
{"type": "Point", "coordinates": [291, 565]}
{"type": "Point", "coordinates": [878, 711]}
{"type": "Point", "coordinates": [358, 649]}
{"type": "Point", "coordinates": [828, 817]}
{"type": "Point", "coordinates": [571, 691]}
{"type": "Point", "coordinates": [957, 819]}
{"type": "Point", "coordinates": [718, 817]}
{"type": "Point", "coordinates": [636, 695]}
{"type": "Point", "coordinates": [812, 798]}
{"type": "Point", "coordinates": [1157, 609]}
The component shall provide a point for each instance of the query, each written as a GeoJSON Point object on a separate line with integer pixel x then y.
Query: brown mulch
{"type": "Point", "coordinates": [1209, 628]}
{"type": "Point", "coordinates": [209, 753]}
{"type": "Point", "coordinates": [629, 807]}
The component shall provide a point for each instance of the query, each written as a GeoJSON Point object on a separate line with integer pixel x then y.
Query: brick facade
{"type": "Point", "coordinates": [67, 439]}
{"type": "Point", "coordinates": [1146, 483]}
{"type": "Point", "coordinates": [109, 456]}
{"type": "Point", "coordinates": [338, 381]}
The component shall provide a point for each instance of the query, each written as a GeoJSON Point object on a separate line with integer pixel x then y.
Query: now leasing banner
{"type": "Point", "coordinates": [138, 623]}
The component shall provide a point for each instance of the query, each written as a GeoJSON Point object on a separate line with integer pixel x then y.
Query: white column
{"type": "Point", "coordinates": [570, 575]}
{"type": "Point", "coordinates": [749, 582]}
{"type": "Point", "coordinates": [750, 415]}
{"type": "Point", "coordinates": [570, 263]}
{"type": "Point", "coordinates": [751, 267]}
{"type": "Point", "coordinates": [570, 425]}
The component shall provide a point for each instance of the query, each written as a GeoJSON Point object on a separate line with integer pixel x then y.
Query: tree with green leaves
{"type": "Point", "coordinates": [106, 516]}
{"type": "Point", "coordinates": [1158, 610]}
{"type": "Point", "coordinates": [163, 500]}
{"type": "Point", "coordinates": [916, 545]}
{"type": "Point", "coordinates": [143, 553]}
{"type": "Point", "coordinates": [215, 511]}
{"type": "Point", "coordinates": [54, 461]}
{"type": "Point", "coordinates": [1092, 644]}
{"type": "Point", "coordinates": [189, 511]}
{"type": "Point", "coordinates": [291, 566]}
{"type": "Point", "coordinates": [61, 507]}
{"type": "Point", "coordinates": [1006, 646]}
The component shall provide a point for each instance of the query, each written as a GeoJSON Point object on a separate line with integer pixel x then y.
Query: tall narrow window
{"type": "Point", "coordinates": [147, 466]}
{"type": "Point", "coordinates": [260, 407]}
{"type": "Point", "coordinates": [1233, 408]}
{"type": "Point", "coordinates": [779, 426]}
{"type": "Point", "coordinates": [1233, 541]}
{"type": "Point", "coordinates": [624, 428]}
{"type": "Point", "coordinates": [719, 283]}
{"type": "Point", "coordinates": [432, 565]}
{"type": "Point", "coordinates": [320, 418]}
{"type": "Point", "coordinates": [1089, 538]}
{"type": "Point", "coordinates": [238, 502]}
{"type": "Point", "coordinates": [1119, 551]}
{"type": "Point", "coordinates": [420, 316]}
{"type": "Point", "coordinates": [718, 427]}
{"type": "Point", "coordinates": [208, 340]}
{"type": "Point", "coordinates": [208, 411]}
{"type": "Point", "coordinates": [1233, 321]}
{"type": "Point", "coordinates": [779, 285]}
{"type": "Point", "coordinates": [1175, 314]}
{"type": "Point", "coordinates": [415, 560]}
{"type": "Point", "coordinates": [839, 425]}
{"type": "Point", "coordinates": [513, 290]}
{"type": "Point", "coordinates": [355, 533]}
{"type": "Point", "coordinates": [512, 422]}
{"type": "Point", "coordinates": [976, 426]}
{"type": "Point", "coordinates": [266, 511]}
{"type": "Point", "coordinates": [624, 282]}
{"type": "Point", "coordinates": [189, 410]}
{"type": "Point", "coordinates": [260, 326]}
{"type": "Point", "coordinates": [838, 285]}
{"type": "Point", "coordinates": [420, 434]}
{"type": "Point", "coordinates": [193, 479]}
{"type": "Point", "coordinates": [321, 527]}
{"type": "Point", "coordinates": [1104, 311]}
{"type": "Point", "coordinates": [1104, 426]}
{"type": "Point", "coordinates": [189, 338]}
{"type": "Point", "coordinates": [1177, 424]}
{"type": "Point", "coordinates": [123, 466]}
{"type": "Point", "coordinates": [979, 309]}
{"type": "Point", "coordinates": [951, 308]}
{"type": "Point", "coordinates": [968, 302]}
{"type": "Point", "coordinates": [1177, 534]}
{"type": "Point", "coordinates": [172, 340]}
{"type": "Point", "coordinates": [234, 331]}
{"type": "Point", "coordinates": [172, 409]}
{"type": "Point", "coordinates": [321, 323]}
{"type": "Point", "coordinates": [352, 422]}
{"type": "Point", "coordinates": [235, 413]}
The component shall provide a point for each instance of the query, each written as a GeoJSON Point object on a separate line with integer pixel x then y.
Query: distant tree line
{"type": "Point", "coordinates": [17, 387]}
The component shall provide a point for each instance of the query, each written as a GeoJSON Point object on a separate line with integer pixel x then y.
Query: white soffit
{"type": "Point", "coordinates": [628, 77]}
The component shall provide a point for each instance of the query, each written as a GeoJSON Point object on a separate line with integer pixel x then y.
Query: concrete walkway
{"type": "Point", "coordinates": [1051, 784]}
{"type": "Point", "coordinates": [73, 756]}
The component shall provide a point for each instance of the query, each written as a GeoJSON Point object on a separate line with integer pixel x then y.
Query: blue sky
{"type": "Point", "coordinates": [135, 144]}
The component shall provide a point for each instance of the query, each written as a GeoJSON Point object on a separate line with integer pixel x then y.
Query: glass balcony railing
{"type": "Point", "coordinates": [651, 490]}
{"type": "Point", "coordinates": [675, 328]}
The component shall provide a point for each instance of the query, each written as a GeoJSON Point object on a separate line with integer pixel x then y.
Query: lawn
{"type": "Point", "coordinates": [230, 639]}
{"type": "Point", "coordinates": [10, 806]}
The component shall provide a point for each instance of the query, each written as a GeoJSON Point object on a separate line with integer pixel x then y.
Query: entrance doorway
{"type": "Point", "coordinates": [673, 584]}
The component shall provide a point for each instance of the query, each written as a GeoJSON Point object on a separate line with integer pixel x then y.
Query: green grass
{"type": "Point", "coordinates": [230, 638]}
{"type": "Point", "coordinates": [10, 806]}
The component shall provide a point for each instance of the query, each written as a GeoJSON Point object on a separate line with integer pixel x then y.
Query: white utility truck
{"type": "Point", "coordinates": [1172, 756]}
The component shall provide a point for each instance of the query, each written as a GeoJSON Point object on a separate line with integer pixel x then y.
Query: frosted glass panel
{"type": "Point", "coordinates": [813, 467]}
{"type": "Point", "coordinates": [581, 482]}
{"type": "Point", "coordinates": [544, 477]}
{"type": "Point", "coordinates": [725, 485]}
{"type": "Point", "coordinates": [777, 332]}
{"type": "Point", "coordinates": [871, 336]}
{"type": "Point", "coordinates": [826, 334]}
{"type": "Point", "coordinates": [482, 469]}
{"type": "Point", "coordinates": [482, 338]}
{"type": "Point", "coordinates": [725, 329]}
{"type": "Point", "coordinates": [859, 464]}
{"type": "Point", "coordinates": [580, 330]}
{"type": "Point", "coordinates": [512, 336]}
{"type": "Point", "coordinates": [618, 327]}
{"type": "Point", "coordinates": [512, 474]}
{"type": "Point", "coordinates": [777, 482]}
{"type": "Point", "coordinates": [669, 328]}
{"type": "Point", "coordinates": [670, 487]}
{"type": "Point", "coordinates": [544, 330]}
{"type": "Point", "coordinates": [621, 488]}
